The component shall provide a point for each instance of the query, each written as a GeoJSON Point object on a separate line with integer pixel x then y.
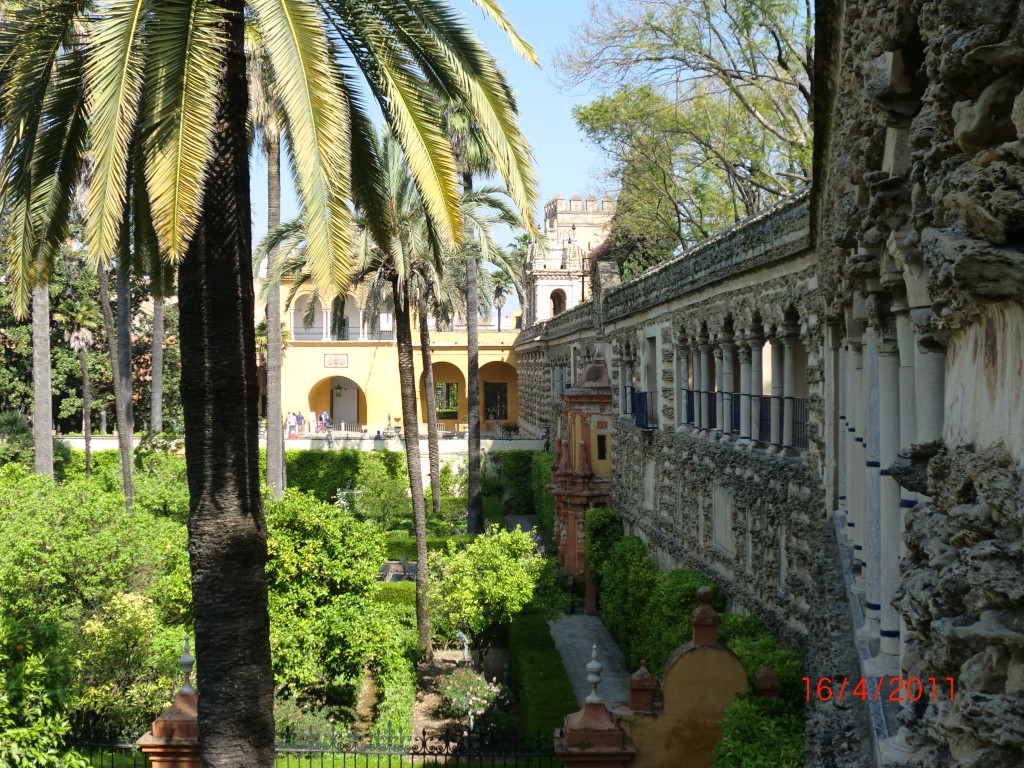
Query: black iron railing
{"type": "Point", "coordinates": [760, 415]}
{"type": "Point", "coordinates": [644, 408]}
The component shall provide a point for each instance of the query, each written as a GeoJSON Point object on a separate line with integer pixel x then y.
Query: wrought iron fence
{"type": "Point", "coordinates": [644, 406]}
{"type": "Point", "coordinates": [376, 748]}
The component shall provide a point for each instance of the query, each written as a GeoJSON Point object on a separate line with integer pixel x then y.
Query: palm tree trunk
{"type": "Point", "coordinates": [403, 340]}
{"type": "Point", "coordinates": [124, 330]}
{"type": "Point", "coordinates": [156, 391]}
{"type": "Point", "coordinates": [83, 360]}
{"type": "Point", "coordinates": [275, 427]}
{"type": "Point", "coordinates": [42, 392]}
{"type": "Point", "coordinates": [219, 390]}
{"type": "Point", "coordinates": [476, 500]}
{"type": "Point", "coordinates": [433, 452]}
{"type": "Point", "coordinates": [124, 440]}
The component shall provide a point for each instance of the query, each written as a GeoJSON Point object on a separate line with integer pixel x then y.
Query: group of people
{"type": "Point", "coordinates": [295, 423]}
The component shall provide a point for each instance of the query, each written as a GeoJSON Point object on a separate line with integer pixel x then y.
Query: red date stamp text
{"type": "Point", "coordinates": [898, 689]}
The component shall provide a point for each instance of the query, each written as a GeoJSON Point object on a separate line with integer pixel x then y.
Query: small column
{"type": "Point", "coordinates": [778, 364]}
{"type": "Point", "coordinates": [683, 371]}
{"type": "Point", "coordinates": [756, 389]}
{"type": "Point", "coordinates": [362, 326]}
{"type": "Point", "coordinates": [788, 387]}
{"type": "Point", "coordinates": [727, 394]}
{"type": "Point", "coordinates": [930, 382]}
{"type": "Point", "coordinates": [173, 741]}
{"type": "Point", "coordinates": [744, 352]}
{"type": "Point", "coordinates": [841, 446]}
{"type": "Point", "coordinates": [719, 398]}
{"type": "Point", "coordinates": [326, 333]}
{"type": "Point", "coordinates": [908, 423]}
{"type": "Point", "coordinates": [889, 496]}
{"type": "Point", "coordinates": [872, 510]}
{"type": "Point", "coordinates": [291, 322]}
{"type": "Point", "coordinates": [855, 470]}
{"type": "Point", "coordinates": [705, 384]}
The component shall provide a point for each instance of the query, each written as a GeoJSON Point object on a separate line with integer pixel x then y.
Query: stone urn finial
{"type": "Point", "coordinates": [705, 619]}
{"type": "Point", "coordinates": [594, 669]}
{"type": "Point", "coordinates": [186, 662]}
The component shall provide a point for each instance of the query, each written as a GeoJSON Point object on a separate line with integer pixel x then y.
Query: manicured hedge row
{"type": "Point", "coordinates": [396, 593]}
{"type": "Point", "coordinates": [515, 474]}
{"type": "Point", "coordinates": [405, 546]}
{"type": "Point", "coordinates": [547, 695]}
{"type": "Point", "coordinates": [322, 473]}
{"type": "Point", "coordinates": [543, 502]}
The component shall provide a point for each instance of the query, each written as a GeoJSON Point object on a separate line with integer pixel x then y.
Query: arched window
{"type": "Point", "coordinates": [557, 302]}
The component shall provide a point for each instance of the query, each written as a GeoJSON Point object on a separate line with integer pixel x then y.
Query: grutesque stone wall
{"type": "Point", "coordinates": [919, 220]}
{"type": "Point", "coordinates": [748, 514]}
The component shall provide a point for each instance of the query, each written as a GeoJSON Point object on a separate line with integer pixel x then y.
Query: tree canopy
{"type": "Point", "coordinates": [705, 117]}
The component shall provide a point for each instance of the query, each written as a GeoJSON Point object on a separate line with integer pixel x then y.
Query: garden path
{"type": "Point", "coordinates": [575, 635]}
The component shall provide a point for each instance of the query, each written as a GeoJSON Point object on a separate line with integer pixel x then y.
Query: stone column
{"type": "Point", "coordinates": [744, 350]}
{"type": "Point", "coordinates": [683, 371]}
{"type": "Point", "coordinates": [872, 510]}
{"type": "Point", "coordinates": [727, 394]}
{"type": "Point", "coordinates": [325, 335]}
{"type": "Point", "coordinates": [778, 364]}
{"type": "Point", "coordinates": [930, 381]}
{"type": "Point", "coordinates": [291, 322]}
{"type": "Point", "coordinates": [719, 378]}
{"type": "Point", "coordinates": [705, 383]}
{"type": "Point", "coordinates": [855, 470]}
{"type": "Point", "coordinates": [841, 446]}
{"type": "Point", "coordinates": [908, 423]}
{"type": "Point", "coordinates": [889, 496]}
{"type": "Point", "coordinates": [756, 389]}
{"type": "Point", "coordinates": [788, 388]}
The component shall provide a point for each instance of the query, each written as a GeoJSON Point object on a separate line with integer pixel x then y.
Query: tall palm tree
{"type": "Point", "coordinates": [80, 319]}
{"type": "Point", "coordinates": [265, 119]}
{"type": "Point", "coordinates": [121, 396]}
{"type": "Point", "coordinates": [161, 89]}
{"type": "Point", "coordinates": [42, 391]}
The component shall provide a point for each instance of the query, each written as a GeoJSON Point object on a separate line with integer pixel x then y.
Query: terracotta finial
{"type": "Point", "coordinates": [641, 689]}
{"type": "Point", "coordinates": [766, 683]}
{"type": "Point", "coordinates": [705, 619]}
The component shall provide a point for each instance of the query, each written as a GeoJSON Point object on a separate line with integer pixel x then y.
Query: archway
{"type": "Point", "coordinates": [450, 393]}
{"type": "Point", "coordinates": [342, 398]}
{"type": "Point", "coordinates": [557, 302]}
{"type": "Point", "coordinates": [499, 395]}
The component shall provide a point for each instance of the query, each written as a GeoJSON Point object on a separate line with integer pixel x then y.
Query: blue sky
{"type": "Point", "coordinates": [565, 163]}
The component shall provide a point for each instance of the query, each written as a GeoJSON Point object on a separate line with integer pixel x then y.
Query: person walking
{"type": "Point", "coordinates": [292, 425]}
{"type": "Point", "coordinates": [324, 420]}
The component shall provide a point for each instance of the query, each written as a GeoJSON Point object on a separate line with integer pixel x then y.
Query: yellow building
{"type": "Point", "coordinates": [345, 366]}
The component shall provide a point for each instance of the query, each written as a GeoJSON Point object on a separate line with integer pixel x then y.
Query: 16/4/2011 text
{"type": "Point", "coordinates": [879, 688]}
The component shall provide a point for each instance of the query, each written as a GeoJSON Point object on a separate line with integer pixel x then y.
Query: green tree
{"type": "Point", "coordinates": [161, 91]}
{"type": "Point", "coordinates": [517, 574]}
{"type": "Point", "coordinates": [708, 115]}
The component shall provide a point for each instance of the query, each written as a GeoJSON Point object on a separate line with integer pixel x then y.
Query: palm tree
{"type": "Point", "coordinates": [161, 91]}
{"type": "Point", "coordinates": [42, 391]}
{"type": "Point", "coordinates": [80, 318]}
{"type": "Point", "coordinates": [265, 118]}
{"type": "Point", "coordinates": [121, 396]}
{"type": "Point", "coordinates": [500, 292]}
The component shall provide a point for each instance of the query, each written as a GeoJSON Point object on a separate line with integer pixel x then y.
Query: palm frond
{"type": "Point", "coordinates": [189, 47]}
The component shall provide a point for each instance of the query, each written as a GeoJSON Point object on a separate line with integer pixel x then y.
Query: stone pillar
{"type": "Point", "coordinates": [778, 364]}
{"type": "Point", "coordinates": [642, 686]}
{"type": "Point", "coordinates": [728, 381]}
{"type": "Point", "coordinates": [719, 399]}
{"type": "Point", "coordinates": [744, 351]}
{"type": "Point", "coordinates": [930, 386]}
{"type": "Point", "coordinates": [855, 470]}
{"type": "Point", "coordinates": [872, 509]}
{"type": "Point", "coordinates": [889, 497]}
{"type": "Point", "coordinates": [705, 384]}
{"type": "Point", "coordinates": [325, 335]}
{"type": "Point", "coordinates": [756, 389]}
{"type": "Point", "coordinates": [684, 384]}
{"type": "Point", "coordinates": [908, 423]}
{"type": "Point", "coordinates": [841, 434]}
{"type": "Point", "coordinates": [291, 322]}
{"type": "Point", "coordinates": [788, 387]}
{"type": "Point", "coordinates": [173, 741]}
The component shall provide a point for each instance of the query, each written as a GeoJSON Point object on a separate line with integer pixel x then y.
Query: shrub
{"type": "Point", "coordinates": [547, 694]}
{"type": "Point", "coordinates": [665, 623]}
{"type": "Point", "coordinates": [465, 691]}
{"type": "Point", "coordinates": [396, 593]}
{"type": "Point", "coordinates": [543, 501]}
{"type": "Point", "coordinates": [479, 589]}
{"type": "Point", "coordinates": [760, 733]}
{"type": "Point", "coordinates": [323, 473]}
{"type": "Point", "coordinates": [630, 574]}
{"type": "Point", "coordinates": [492, 512]}
{"type": "Point", "coordinates": [514, 472]}
{"type": "Point", "coordinates": [754, 650]}
{"type": "Point", "coordinates": [393, 664]}
{"type": "Point", "coordinates": [381, 493]}
{"type": "Point", "coordinates": [602, 530]}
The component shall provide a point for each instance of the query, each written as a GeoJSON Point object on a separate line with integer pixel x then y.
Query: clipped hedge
{"type": "Point", "coordinates": [515, 469]}
{"type": "Point", "coordinates": [602, 530]}
{"type": "Point", "coordinates": [629, 576]}
{"type": "Point", "coordinates": [492, 512]}
{"type": "Point", "coordinates": [396, 593]}
{"type": "Point", "coordinates": [666, 620]}
{"type": "Point", "coordinates": [399, 546]}
{"type": "Point", "coordinates": [543, 502]}
{"type": "Point", "coordinates": [547, 694]}
{"type": "Point", "coordinates": [322, 473]}
{"type": "Point", "coordinates": [760, 733]}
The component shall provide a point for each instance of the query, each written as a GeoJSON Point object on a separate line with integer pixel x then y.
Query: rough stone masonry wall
{"type": "Point", "coordinates": [942, 83]}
